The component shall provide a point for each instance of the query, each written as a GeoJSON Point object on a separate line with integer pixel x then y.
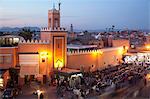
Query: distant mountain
{"type": "Point", "coordinates": [8, 29]}
{"type": "Point", "coordinates": [17, 29]}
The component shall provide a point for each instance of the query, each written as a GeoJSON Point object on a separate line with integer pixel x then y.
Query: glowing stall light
{"type": "Point", "coordinates": [148, 47]}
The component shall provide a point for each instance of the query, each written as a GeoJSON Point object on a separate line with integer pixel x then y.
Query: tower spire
{"type": "Point", "coordinates": [59, 5]}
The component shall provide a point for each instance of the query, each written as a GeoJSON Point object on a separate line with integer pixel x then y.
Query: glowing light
{"type": "Point", "coordinates": [94, 53]}
{"type": "Point", "coordinates": [126, 47]}
{"type": "Point", "coordinates": [44, 54]}
{"type": "Point", "coordinates": [38, 91]}
{"type": "Point", "coordinates": [97, 52]}
{"type": "Point", "coordinates": [148, 46]}
{"type": "Point", "coordinates": [120, 50]}
{"type": "Point", "coordinates": [148, 77]}
{"type": "Point", "coordinates": [58, 64]}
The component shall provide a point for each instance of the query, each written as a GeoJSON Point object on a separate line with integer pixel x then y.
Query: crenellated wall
{"type": "Point", "coordinates": [58, 29]}
{"type": "Point", "coordinates": [84, 52]}
{"type": "Point", "coordinates": [34, 42]}
{"type": "Point", "coordinates": [47, 33]}
{"type": "Point", "coordinates": [94, 59]}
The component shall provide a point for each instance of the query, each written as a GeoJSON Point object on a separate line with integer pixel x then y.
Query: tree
{"type": "Point", "coordinates": [113, 27]}
{"type": "Point", "coordinates": [26, 33]}
{"type": "Point", "coordinates": [1, 33]}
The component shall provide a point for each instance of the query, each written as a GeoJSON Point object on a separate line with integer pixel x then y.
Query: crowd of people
{"type": "Point", "coordinates": [102, 81]}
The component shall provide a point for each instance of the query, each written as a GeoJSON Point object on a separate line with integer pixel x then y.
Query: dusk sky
{"type": "Point", "coordinates": [83, 14]}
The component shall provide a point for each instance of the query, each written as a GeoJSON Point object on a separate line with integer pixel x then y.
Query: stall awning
{"type": "Point", "coordinates": [68, 72]}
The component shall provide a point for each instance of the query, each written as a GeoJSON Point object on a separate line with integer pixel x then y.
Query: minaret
{"type": "Point", "coordinates": [54, 18]}
{"type": "Point", "coordinates": [57, 36]}
{"type": "Point", "coordinates": [71, 28]}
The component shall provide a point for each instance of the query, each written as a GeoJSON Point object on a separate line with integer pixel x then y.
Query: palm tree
{"type": "Point", "coordinates": [26, 33]}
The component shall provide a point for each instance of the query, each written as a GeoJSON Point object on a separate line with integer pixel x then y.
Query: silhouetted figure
{"type": "Point", "coordinates": [41, 96]}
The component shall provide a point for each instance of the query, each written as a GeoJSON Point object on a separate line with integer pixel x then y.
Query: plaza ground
{"type": "Point", "coordinates": [50, 92]}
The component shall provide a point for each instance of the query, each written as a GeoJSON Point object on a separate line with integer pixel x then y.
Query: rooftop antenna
{"type": "Point", "coordinates": [59, 5]}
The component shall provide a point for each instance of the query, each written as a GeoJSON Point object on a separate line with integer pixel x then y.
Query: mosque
{"type": "Point", "coordinates": [40, 58]}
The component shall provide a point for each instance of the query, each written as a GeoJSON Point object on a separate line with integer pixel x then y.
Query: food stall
{"type": "Point", "coordinates": [73, 76]}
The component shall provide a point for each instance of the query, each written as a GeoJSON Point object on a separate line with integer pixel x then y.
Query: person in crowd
{"type": "Point", "coordinates": [41, 96]}
{"type": "Point", "coordinates": [113, 77]}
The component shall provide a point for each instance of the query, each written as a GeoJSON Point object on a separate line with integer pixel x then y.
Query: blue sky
{"type": "Point", "coordinates": [83, 14]}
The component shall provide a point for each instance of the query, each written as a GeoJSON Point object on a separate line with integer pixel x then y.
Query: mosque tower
{"type": "Point", "coordinates": [54, 17]}
{"type": "Point", "coordinates": [57, 36]}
